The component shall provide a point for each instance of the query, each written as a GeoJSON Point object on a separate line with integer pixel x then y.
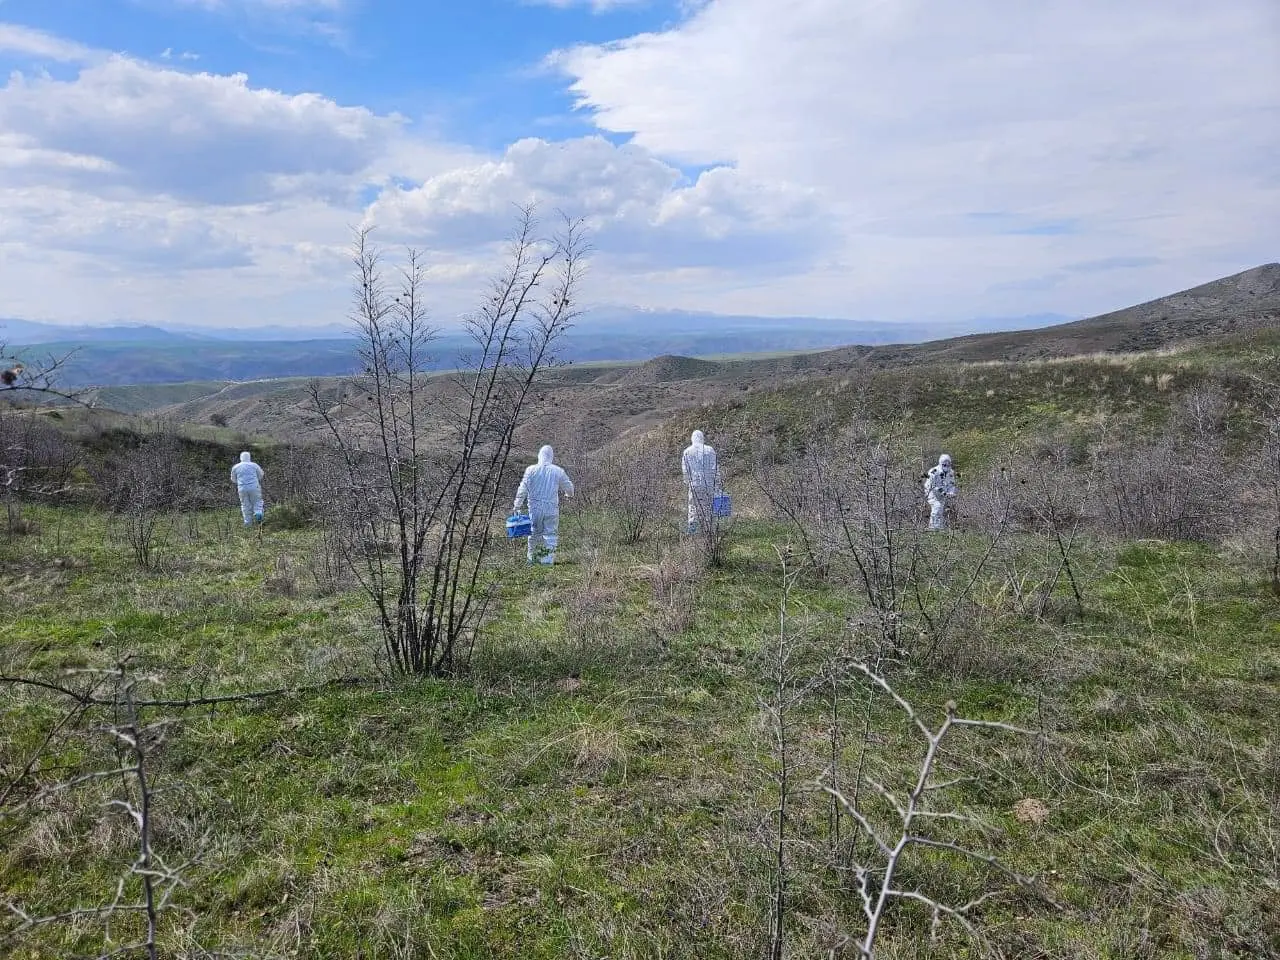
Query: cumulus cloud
{"type": "Point", "coordinates": [1088, 130]}
{"type": "Point", "coordinates": [167, 193]}
{"type": "Point", "coordinates": [890, 158]}
{"type": "Point", "coordinates": [639, 208]}
{"type": "Point", "coordinates": [193, 135]}
{"type": "Point", "coordinates": [127, 235]}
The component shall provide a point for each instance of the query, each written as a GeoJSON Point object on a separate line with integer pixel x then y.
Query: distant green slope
{"type": "Point", "coordinates": [118, 363]}
{"type": "Point", "coordinates": [141, 397]}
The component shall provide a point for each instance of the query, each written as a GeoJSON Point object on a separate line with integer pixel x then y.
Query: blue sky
{"type": "Point", "coordinates": [470, 71]}
{"type": "Point", "coordinates": [206, 160]}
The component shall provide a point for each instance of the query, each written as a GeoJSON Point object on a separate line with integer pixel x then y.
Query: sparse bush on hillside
{"type": "Point", "coordinates": [1256, 534]}
{"type": "Point", "coordinates": [282, 581]}
{"type": "Point", "coordinates": [327, 563]}
{"type": "Point", "coordinates": [1178, 485]}
{"type": "Point", "coordinates": [1270, 483]}
{"type": "Point", "coordinates": [591, 610]}
{"type": "Point", "coordinates": [424, 474]}
{"type": "Point", "coordinates": [854, 504]}
{"type": "Point", "coordinates": [36, 463]}
{"type": "Point", "coordinates": [291, 515]}
{"type": "Point", "coordinates": [149, 483]}
{"type": "Point", "coordinates": [172, 471]}
{"type": "Point", "coordinates": [798, 485]}
{"type": "Point", "coordinates": [884, 808]}
{"type": "Point", "coordinates": [1047, 496]}
{"type": "Point", "coordinates": [302, 475]}
{"type": "Point", "coordinates": [673, 580]}
{"type": "Point", "coordinates": [632, 481]}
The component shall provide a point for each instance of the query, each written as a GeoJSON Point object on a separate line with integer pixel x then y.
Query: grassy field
{"type": "Point", "coordinates": [982, 408]}
{"type": "Point", "coordinates": [601, 782]}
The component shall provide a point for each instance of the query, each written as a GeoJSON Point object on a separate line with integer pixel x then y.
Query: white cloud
{"type": "Point", "coordinates": [199, 136]}
{"type": "Point", "coordinates": [272, 5]}
{"type": "Point", "coordinates": [126, 235]}
{"type": "Point", "coordinates": [597, 6]}
{"type": "Point", "coordinates": [38, 44]}
{"type": "Point", "coordinates": [885, 158]}
{"type": "Point", "coordinates": [1094, 130]}
{"type": "Point", "coordinates": [132, 189]}
{"type": "Point", "coordinates": [641, 211]}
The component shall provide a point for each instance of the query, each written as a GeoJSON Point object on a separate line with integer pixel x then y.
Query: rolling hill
{"type": "Point", "coordinates": [585, 405]}
{"type": "Point", "coordinates": [1242, 302]}
{"type": "Point", "coordinates": [104, 356]}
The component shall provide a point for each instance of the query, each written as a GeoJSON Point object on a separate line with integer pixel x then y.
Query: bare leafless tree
{"type": "Point", "coordinates": [148, 485]}
{"type": "Point", "coordinates": [862, 519]}
{"type": "Point", "coordinates": [25, 446]}
{"type": "Point", "coordinates": [1056, 499]}
{"type": "Point", "coordinates": [798, 488]}
{"type": "Point", "coordinates": [34, 379]}
{"type": "Point", "coordinates": [632, 481]}
{"type": "Point", "coordinates": [424, 459]}
{"type": "Point", "coordinates": [794, 673]}
{"type": "Point", "coordinates": [146, 887]}
{"type": "Point", "coordinates": [1175, 483]}
{"type": "Point", "coordinates": [36, 463]}
{"type": "Point", "coordinates": [1269, 471]}
{"type": "Point", "coordinates": [911, 824]}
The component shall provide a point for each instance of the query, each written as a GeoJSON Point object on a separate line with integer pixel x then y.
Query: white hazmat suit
{"type": "Point", "coordinates": [540, 487]}
{"type": "Point", "coordinates": [702, 475]}
{"type": "Point", "coordinates": [248, 479]}
{"type": "Point", "coordinates": [939, 487]}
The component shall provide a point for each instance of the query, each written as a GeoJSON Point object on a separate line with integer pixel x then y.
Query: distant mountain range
{"type": "Point", "coordinates": [36, 332]}
{"type": "Point", "coordinates": [590, 404]}
{"type": "Point", "coordinates": [118, 354]}
{"type": "Point", "coordinates": [115, 354]}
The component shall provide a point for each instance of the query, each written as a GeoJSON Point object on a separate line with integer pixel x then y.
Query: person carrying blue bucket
{"type": "Point", "coordinates": [540, 488]}
{"type": "Point", "coordinates": [702, 476]}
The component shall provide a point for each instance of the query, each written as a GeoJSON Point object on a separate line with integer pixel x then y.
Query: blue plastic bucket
{"type": "Point", "coordinates": [519, 525]}
{"type": "Point", "coordinates": [721, 505]}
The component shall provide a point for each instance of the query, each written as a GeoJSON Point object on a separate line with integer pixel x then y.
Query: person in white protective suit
{"type": "Point", "coordinates": [702, 476]}
{"type": "Point", "coordinates": [939, 487]}
{"type": "Point", "coordinates": [540, 487]}
{"type": "Point", "coordinates": [248, 480]}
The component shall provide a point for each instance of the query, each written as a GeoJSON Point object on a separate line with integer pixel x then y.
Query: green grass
{"type": "Point", "coordinates": [596, 784]}
{"type": "Point", "coordinates": [983, 408]}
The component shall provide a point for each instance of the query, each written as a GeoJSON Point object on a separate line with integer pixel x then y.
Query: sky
{"type": "Point", "coordinates": [207, 161]}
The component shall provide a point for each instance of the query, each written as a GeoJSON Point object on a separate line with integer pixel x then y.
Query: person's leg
{"type": "Point", "coordinates": [535, 536]}
{"type": "Point", "coordinates": [702, 507]}
{"type": "Point", "coordinates": [937, 514]}
{"type": "Point", "coordinates": [246, 506]}
{"type": "Point", "coordinates": [551, 537]}
{"type": "Point", "coordinates": [257, 505]}
{"type": "Point", "coordinates": [697, 510]}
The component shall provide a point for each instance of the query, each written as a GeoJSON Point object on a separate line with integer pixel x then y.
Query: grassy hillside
{"type": "Point", "coordinates": [606, 774]}
{"type": "Point", "coordinates": [145, 397]}
{"type": "Point", "coordinates": [598, 784]}
{"type": "Point", "coordinates": [602, 779]}
{"type": "Point", "coordinates": [1242, 303]}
